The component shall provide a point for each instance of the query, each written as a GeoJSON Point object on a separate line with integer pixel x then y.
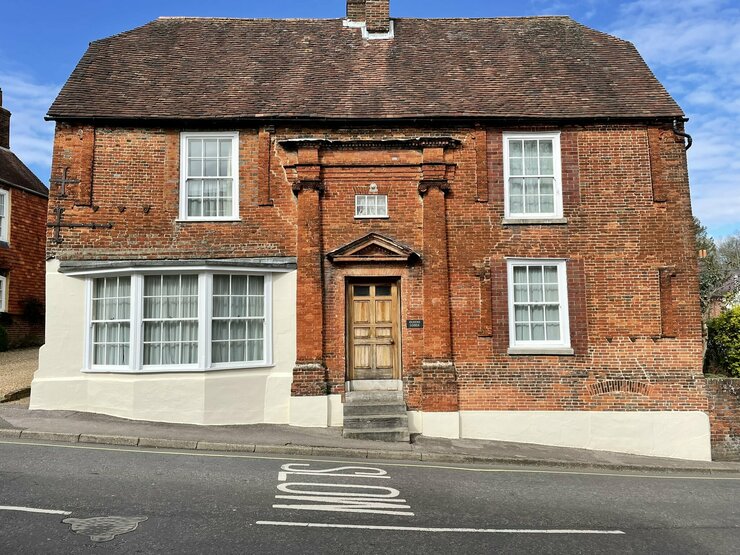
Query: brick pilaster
{"type": "Point", "coordinates": [439, 384]}
{"type": "Point", "coordinates": [309, 373]}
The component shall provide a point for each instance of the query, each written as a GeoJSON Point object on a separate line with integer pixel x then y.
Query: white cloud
{"type": "Point", "coordinates": [31, 138]}
{"type": "Point", "coordinates": [694, 48]}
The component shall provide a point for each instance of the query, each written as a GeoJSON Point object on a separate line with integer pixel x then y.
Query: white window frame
{"type": "Point", "coordinates": [562, 346]}
{"type": "Point", "coordinates": [5, 226]}
{"type": "Point", "coordinates": [234, 136]}
{"type": "Point", "coordinates": [3, 294]}
{"type": "Point", "coordinates": [557, 213]}
{"type": "Point", "coordinates": [205, 313]}
{"type": "Point", "coordinates": [370, 216]}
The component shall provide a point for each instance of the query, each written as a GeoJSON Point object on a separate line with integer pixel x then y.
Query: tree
{"type": "Point", "coordinates": [712, 273]}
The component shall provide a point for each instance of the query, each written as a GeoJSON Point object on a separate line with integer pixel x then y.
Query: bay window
{"type": "Point", "coordinates": [190, 321]}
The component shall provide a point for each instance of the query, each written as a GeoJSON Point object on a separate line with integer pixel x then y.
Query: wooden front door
{"type": "Point", "coordinates": [373, 331]}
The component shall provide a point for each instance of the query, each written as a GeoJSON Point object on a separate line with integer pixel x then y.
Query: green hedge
{"type": "Point", "coordinates": [723, 342]}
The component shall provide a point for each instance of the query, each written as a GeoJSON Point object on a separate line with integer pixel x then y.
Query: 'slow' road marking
{"type": "Point", "coordinates": [33, 510]}
{"type": "Point", "coordinates": [421, 529]}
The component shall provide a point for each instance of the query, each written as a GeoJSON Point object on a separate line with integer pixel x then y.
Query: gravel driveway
{"type": "Point", "coordinates": [16, 369]}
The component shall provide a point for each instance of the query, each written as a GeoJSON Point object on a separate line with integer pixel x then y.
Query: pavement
{"type": "Point", "coordinates": [16, 372]}
{"type": "Point", "coordinates": [18, 422]}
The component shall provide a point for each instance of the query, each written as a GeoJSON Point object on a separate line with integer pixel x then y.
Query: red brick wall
{"type": "Point", "coordinates": [724, 415]}
{"type": "Point", "coordinates": [616, 241]}
{"type": "Point", "coordinates": [23, 260]}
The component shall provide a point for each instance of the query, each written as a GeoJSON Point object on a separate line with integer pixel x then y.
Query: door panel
{"type": "Point", "coordinates": [373, 331]}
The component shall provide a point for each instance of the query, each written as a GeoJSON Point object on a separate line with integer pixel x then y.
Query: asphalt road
{"type": "Point", "coordinates": [196, 502]}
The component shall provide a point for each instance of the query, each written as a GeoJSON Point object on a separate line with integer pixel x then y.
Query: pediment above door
{"type": "Point", "coordinates": [373, 247]}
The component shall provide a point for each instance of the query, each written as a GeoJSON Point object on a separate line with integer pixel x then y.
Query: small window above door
{"type": "Point", "coordinates": [371, 206]}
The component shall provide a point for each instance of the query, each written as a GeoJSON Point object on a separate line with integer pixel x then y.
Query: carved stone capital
{"type": "Point", "coordinates": [314, 185]}
{"type": "Point", "coordinates": [426, 184]}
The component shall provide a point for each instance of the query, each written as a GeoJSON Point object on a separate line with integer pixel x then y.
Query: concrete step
{"type": "Point", "coordinates": [374, 397]}
{"type": "Point", "coordinates": [357, 409]}
{"type": "Point", "coordinates": [370, 422]}
{"type": "Point", "coordinates": [380, 434]}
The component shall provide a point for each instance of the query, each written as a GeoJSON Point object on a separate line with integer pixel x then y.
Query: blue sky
{"type": "Point", "coordinates": [693, 46]}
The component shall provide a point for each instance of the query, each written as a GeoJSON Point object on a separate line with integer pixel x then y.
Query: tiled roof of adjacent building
{"type": "Point", "coordinates": [13, 172]}
{"type": "Point", "coordinates": [202, 68]}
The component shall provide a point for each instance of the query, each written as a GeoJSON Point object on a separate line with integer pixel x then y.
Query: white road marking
{"type": "Point", "coordinates": [420, 464]}
{"type": "Point", "coordinates": [33, 510]}
{"type": "Point", "coordinates": [421, 529]}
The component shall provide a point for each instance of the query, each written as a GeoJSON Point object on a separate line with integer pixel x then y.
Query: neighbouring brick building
{"type": "Point", "coordinates": [23, 206]}
{"type": "Point", "coordinates": [484, 221]}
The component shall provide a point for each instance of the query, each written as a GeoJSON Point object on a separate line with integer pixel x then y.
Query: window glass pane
{"type": "Point", "coordinates": [522, 332]}
{"type": "Point", "coordinates": [210, 167]}
{"type": "Point", "coordinates": [535, 293]}
{"type": "Point", "coordinates": [538, 332]}
{"type": "Point", "coordinates": [552, 313]}
{"type": "Point", "coordinates": [221, 285]}
{"type": "Point", "coordinates": [220, 351]}
{"type": "Point", "coordinates": [195, 148]}
{"type": "Point", "coordinates": [362, 290]}
{"type": "Point", "coordinates": [256, 350]}
{"type": "Point", "coordinates": [546, 147]}
{"type": "Point", "coordinates": [256, 307]}
{"type": "Point", "coordinates": [239, 285]}
{"type": "Point", "coordinates": [195, 168]}
{"type": "Point", "coordinates": [546, 167]}
{"type": "Point", "coordinates": [547, 204]}
{"type": "Point", "coordinates": [238, 351]}
{"type": "Point", "coordinates": [521, 314]}
{"type": "Point", "coordinates": [221, 307]}
{"type": "Point", "coordinates": [516, 166]}
{"type": "Point", "coordinates": [553, 332]}
{"type": "Point", "coordinates": [551, 293]}
{"type": "Point", "coordinates": [220, 330]}
{"type": "Point", "coordinates": [516, 204]}
{"type": "Point", "coordinates": [383, 290]}
{"type": "Point", "coordinates": [535, 274]}
{"type": "Point", "coordinates": [517, 186]}
{"type": "Point", "coordinates": [225, 148]}
{"type": "Point", "coordinates": [195, 208]}
{"type": "Point", "coordinates": [256, 285]}
{"type": "Point", "coordinates": [530, 166]}
{"type": "Point", "coordinates": [515, 148]}
{"type": "Point", "coordinates": [520, 293]}
{"type": "Point", "coordinates": [238, 307]}
{"type": "Point", "coordinates": [520, 274]}
{"type": "Point", "coordinates": [224, 168]}
{"type": "Point", "coordinates": [211, 147]}
{"type": "Point", "coordinates": [537, 313]}
{"type": "Point", "coordinates": [239, 329]}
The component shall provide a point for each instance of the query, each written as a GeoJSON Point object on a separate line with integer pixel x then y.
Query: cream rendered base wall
{"type": "Point", "coordinates": [674, 434]}
{"type": "Point", "coordinates": [258, 395]}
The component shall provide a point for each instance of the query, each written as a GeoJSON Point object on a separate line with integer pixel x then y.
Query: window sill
{"type": "Point", "coordinates": [173, 370]}
{"type": "Point", "coordinates": [371, 217]}
{"type": "Point", "coordinates": [4, 244]}
{"type": "Point", "coordinates": [554, 351]}
{"type": "Point", "coordinates": [206, 220]}
{"type": "Point", "coordinates": [534, 221]}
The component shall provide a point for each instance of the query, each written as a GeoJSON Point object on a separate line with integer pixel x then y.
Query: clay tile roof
{"type": "Point", "coordinates": [201, 68]}
{"type": "Point", "coordinates": [13, 172]}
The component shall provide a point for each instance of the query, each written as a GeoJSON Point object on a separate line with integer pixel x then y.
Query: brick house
{"type": "Point", "coordinates": [470, 228]}
{"type": "Point", "coordinates": [23, 206]}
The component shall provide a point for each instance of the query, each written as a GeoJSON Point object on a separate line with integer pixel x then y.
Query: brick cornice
{"type": "Point", "coordinates": [308, 185]}
{"type": "Point", "coordinates": [426, 184]}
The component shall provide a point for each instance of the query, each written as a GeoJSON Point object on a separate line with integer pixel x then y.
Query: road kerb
{"type": "Point", "coordinates": [235, 447]}
{"type": "Point", "coordinates": [50, 436]}
{"type": "Point", "coordinates": [10, 433]}
{"type": "Point", "coordinates": [167, 443]}
{"type": "Point", "coordinates": [284, 449]}
{"type": "Point", "coordinates": [109, 440]}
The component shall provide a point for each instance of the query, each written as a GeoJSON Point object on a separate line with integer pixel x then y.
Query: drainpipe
{"type": "Point", "coordinates": [689, 140]}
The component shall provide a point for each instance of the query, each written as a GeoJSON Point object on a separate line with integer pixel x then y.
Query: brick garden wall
{"type": "Point", "coordinates": [632, 272]}
{"type": "Point", "coordinates": [724, 415]}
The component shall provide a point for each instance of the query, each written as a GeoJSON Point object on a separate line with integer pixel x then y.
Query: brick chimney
{"type": "Point", "coordinates": [4, 124]}
{"type": "Point", "coordinates": [374, 13]}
